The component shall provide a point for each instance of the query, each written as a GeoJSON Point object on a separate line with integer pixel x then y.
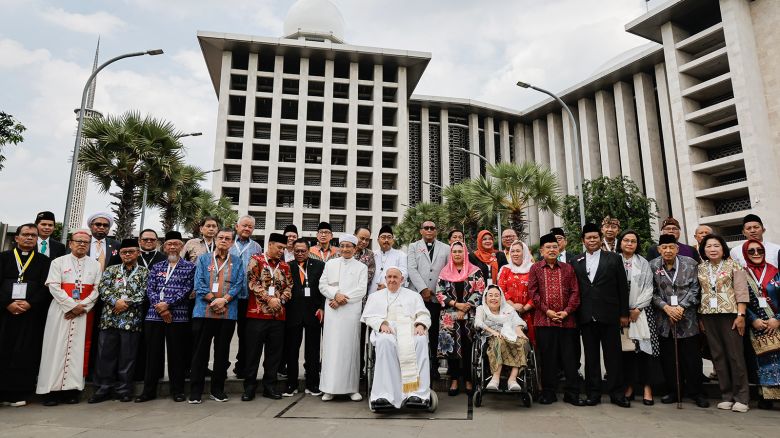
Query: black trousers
{"type": "Point", "coordinates": [160, 336]}
{"type": "Point", "coordinates": [140, 357]}
{"type": "Point", "coordinates": [115, 368]}
{"type": "Point", "coordinates": [558, 348]}
{"type": "Point", "coordinates": [606, 336]}
{"type": "Point", "coordinates": [240, 332]}
{"type": "Point", "coordinates": [293, 337]}
{"type": "Point", "coordinates": [433, 337]}
{"type": "Point", "coordinates": [204, 331]}
{"type": "Point", "coordinates": [690, 365]}
{"type": "Point", "coordinates": [264, 337]}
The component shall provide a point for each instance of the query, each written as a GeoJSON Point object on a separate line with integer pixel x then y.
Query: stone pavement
{"type": "Point", "coordinates": [500, 416]}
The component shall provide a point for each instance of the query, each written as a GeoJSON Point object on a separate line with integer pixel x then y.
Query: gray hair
{"type": "Point", "coordinates": [246, 216]}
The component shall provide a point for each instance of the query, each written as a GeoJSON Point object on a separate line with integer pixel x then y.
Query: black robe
{"type": "Point", "coordinates": [21, 336]}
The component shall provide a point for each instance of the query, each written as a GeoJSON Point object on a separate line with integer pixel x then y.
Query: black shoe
{"type": "Point", "coordinates": [415, 402]}
{"type": "Point", "coordinates": [630, 397]}
{"type": "Point", "coordinates": [290, 391]}
{"type": "Point", "coordinates": [593, 401]}
{"type": "Point", "coordinates": [126, 398]}
{"type": "Point", "coordinates": [648, 402]}
{"type": "Point", "coordinates": [623, 402]}
{"type": "Point", "coordinates": [248, 395]}
{"type": "Point", "coordinates": [99, 398]}
{"type": "Point", "coordinates": [145, 398]}
{"type": "Point", "coordinates": [178, 398]}
{"type": "Point", "coordinates": [219, 396]}
{"type": "Point", "coordinates": [547, 400]}
{"type": "Point", "coordinates": [574, 400]}
{"type": "Point", "coordinates": [453, 392]}
{"type": "Point", "coordinates": [73, 399]}
{"type": "Point", "coordinates": [209, 373]}
{"type": "Point", "coordinates": [701, 401]}
{"type": "Point", "coordinates": [272, 394]}
{"type": "Point", "coordinates": [50, 401]}
{"type": "Point", "coordinates": [380, 404]}
{"type": "Point", "coordinates": [669, 399]}
{"type": "Point", "coordinates": [765, 404]}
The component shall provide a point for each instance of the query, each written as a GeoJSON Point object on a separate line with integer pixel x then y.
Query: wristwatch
{"type": "Point", "coordinates": [741, 314]}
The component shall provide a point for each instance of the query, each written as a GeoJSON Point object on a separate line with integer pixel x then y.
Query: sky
{"type": "Point", "coordinates": [479, 50]}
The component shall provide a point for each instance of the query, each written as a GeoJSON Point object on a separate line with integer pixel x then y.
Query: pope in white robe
{"type": "Point", "coordinates": [399, 322]}
{"type": "Point", "coordinates": [72, 282]}
{"type": "Point", "coordinates": [343, 283]}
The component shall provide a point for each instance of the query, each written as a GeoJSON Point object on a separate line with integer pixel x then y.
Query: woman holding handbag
{"type": "Point", "coordinates": [764, 320]}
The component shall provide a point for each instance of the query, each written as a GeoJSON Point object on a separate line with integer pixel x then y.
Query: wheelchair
{"type": "Point", "coordinates": [370, 357]}
{"type": "Point", "coordinates": [527, 377]}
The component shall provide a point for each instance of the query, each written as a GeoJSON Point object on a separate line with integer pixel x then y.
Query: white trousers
{"type": "Point", "coordinates": [387, 369]}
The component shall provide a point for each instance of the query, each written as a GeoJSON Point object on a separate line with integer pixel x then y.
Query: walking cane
{"type": "Point", "coordinates": [677, 366]}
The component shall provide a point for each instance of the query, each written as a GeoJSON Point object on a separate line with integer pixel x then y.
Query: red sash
{"type": "Point", "coordinates": [86, 290]}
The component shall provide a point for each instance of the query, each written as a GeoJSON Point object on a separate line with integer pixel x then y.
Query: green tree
{"type": "Point", "coordinates": [408, 230]}
{"type": "Point", "coordinates": [10, 133]}
{"type": "Point", "coordinates": [618, 197]}
{"type": "Point", "coordinates": [196, 203]}
{"type": "Point", "coordinates": [459, 213]}
{"type": "Point", "coordinates": [171, 193]}
{"type": "Point", "coordinates": [122, 151]}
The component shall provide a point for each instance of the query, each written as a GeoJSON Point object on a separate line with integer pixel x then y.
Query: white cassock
{"type": "Point", "coordinates": [65, 340]}
{"type": "Point", "coordinates": [401, 367]}
{"type": "Point", "coordinates": [341, 331]}
{"type": "Point", "coordinates": [395, 258]}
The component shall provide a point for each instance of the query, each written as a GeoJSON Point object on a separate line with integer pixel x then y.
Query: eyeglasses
{"type": "Point", "coordinates": [81, 242]}
{"type": "Point", "coordinates": [28, 235]}
{"type": "Point", "coordinates": [755, 251]}
{"type": "Point", "coordinates": [225, 238]}
{"type": "Point", "coordinates": [429, 228]}
{"type": "Point", "coordinates": [324, 232]}
{"type": "Point", "coordinates": [300, 251]}
{"type": "Point", "coordinates": [149, 239]}
{"type": "Point", "coordinates": [128, 252]}
{"type": "Point", "coordinates": [100, 224]}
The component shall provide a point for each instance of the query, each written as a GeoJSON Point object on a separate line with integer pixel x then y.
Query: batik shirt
{"type": "Point", "coordinates": [553, 288]}
{"type": "Point", "coordinates": [129, 285]}
{"type": "Point", "coordinates": [685, 287]}
{"type": "Point", "coordinates": [262, 274]}
{"type": "Point", "coordinates": [176, 291]}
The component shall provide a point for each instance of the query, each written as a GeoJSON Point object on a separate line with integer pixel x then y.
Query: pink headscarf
{"type": "Point", "coordinates": [451, 274]}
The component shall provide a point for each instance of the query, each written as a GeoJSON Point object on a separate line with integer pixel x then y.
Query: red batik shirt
{"type": "Point", "coordinates": [263, 273]}
{"type": "Point", "coordinates": [553, 288]}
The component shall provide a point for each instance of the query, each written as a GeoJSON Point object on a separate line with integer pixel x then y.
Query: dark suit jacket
{"type": "Point", "coordinates": [301, 309]}
{"type": "Point", "coordinates": [56, 249]}
{"type": "Point", "coordinates": [112, 252]}
{"type": "Point", "coordinates": [606, 299]}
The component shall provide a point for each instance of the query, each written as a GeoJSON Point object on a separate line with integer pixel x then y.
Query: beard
{"type": "Point", "coordinates": [173, 257]}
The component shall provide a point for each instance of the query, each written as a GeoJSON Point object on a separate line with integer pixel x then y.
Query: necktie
{"type": "Point", "coordinates": [101, 254]}
{"type": "Point", "coordinates": [43, 247]}
{"type": "Point", "coordinates": [301, 268]}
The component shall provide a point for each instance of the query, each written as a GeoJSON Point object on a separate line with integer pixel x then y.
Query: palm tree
{"type": "Point", "coordinates": [171, 193]}
{"type": "Point", "coordinates": [461, 214]}
{"type": "Point", "coordinates": [512, 189]}
{"type": "Point", "coordinates": [196, 203]}
{"type": "Point", "coordinates": [123, 150]}
{"type": "Point", "coordinates": [408, 230]}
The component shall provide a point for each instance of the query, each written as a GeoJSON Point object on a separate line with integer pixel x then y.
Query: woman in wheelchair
{"type": "Point", "coordinates": [507, 344]}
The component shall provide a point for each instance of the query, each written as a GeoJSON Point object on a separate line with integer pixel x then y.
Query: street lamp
{"type": "Point", "coordinates": [577, 152]}
{"type": "Point", "coordinates": [75, 162]}
{"type": "Point", "coordinates": [143, 198]}
{"type": "Point", "coordinates": [498, 214]}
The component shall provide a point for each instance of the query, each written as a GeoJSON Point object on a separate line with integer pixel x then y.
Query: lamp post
{"type": "Point", "coordinates": [75, 162]}
{"type": "Point", "coordinates": [577, 152]}
{"type": "Point", "coordinates": [146, 187]}
{"type": "Point", "coordinates": [498, 214]}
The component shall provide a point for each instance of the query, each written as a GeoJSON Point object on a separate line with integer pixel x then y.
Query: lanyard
{"type": "Point", "coordinates": [273, 272]}
{"type": "Point", "coordinates": [219, 268]}
{"type": "Point", "coordinates": [606, 245]}
{"type": "Point", "coordinates": [130, 277]}
{"type": "Point", "coordinates": [168, 272]}
{"type": "Point", "coordinates": [32, 254]}
{"type": "Point", "coordinates": [241, 251]}
{"type": "Point", "coordinates": [759, 281]}
{"type": "Point", "coordinates": [146, 264]}
{"type": "Point", "coordinates": [713, 276]}
{"type": "Point", "coordinates": [676, 271]}
{"type": "Point", "coordinates": [209, 247]}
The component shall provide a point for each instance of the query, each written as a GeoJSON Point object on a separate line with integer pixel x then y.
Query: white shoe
{"type": "Point", "coordinates": [289, 393]}
{"type": "Point", "coordinates": [15, 404]}
{"type": "Point", "coordinates": [315, 393]}
{"type": "Point", "coordinates": [492, 384]}
{"type": "Point", "coordinates": [726, 405]}
{"type": "Point", "coordinates": [515, 387]}
{"type": "Point", "coordinates": [355, 396]}
{"type": "Point", "coordinates": [194, 401]}
{"type": "Point", "coordinates": [740, 407]}
{"type": "Point", "coordinates": [327, 397]}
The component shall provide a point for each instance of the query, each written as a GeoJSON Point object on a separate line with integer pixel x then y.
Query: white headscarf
{"type": "Point", "coordinates": [506, 314]}
{"type": "Point", "coordinates": [527, 260]}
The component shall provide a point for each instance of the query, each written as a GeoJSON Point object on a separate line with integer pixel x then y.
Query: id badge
{"type": "Point", "coordinates": [76, 295]}
{"type": "Point", "coordinates": [490, 282]}
{"type": "Point", "coordinates": [215, 287]}
{"type": "Point", "coordinates": [713, 303]}
{"type": "Point", "coordinates": [674, 300]}
{"type": "Point", "coordinates": [306, 292]}
{"type": "Point", "coordinates": [271, 291]}
{"type": "Point", "coordinates": [762, 303]}
{"type": "Point", "coordinates": [19, 291]}
{"type": "Point", "coordinates": [162, 296]}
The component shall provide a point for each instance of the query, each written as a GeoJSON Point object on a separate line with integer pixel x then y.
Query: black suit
{"type": "Point", "coordinates": [602, 303]}
{"type": "Point", "coordinates": [300, 315]}
{"type": "Point", "coordinates": [56, 249]}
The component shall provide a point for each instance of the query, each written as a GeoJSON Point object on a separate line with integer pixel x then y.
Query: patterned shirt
{"type": "Point", "coordinates": [195, 248]}
{"type": "Point", "coordinates": [316, 252]}
{"type": "Point", "coordinates": [553, 288]}
{"type": "Point", "coordinates": [730, 287]}
{"type": "Point", "coordinates": [681, 281]}
{"type": "Point", "coordinates": [129, 285]}
{"type": "Point", "coordinates": [262, 274]}
{"type": "Point", "coordinates": [366, 257]}
{"type": "Point", "coordinates": [230, 280]}
{"type": "Point", "coordinates": [175, 292]}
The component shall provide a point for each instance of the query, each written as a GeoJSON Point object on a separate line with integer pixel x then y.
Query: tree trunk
{"type": "Point", "coordinates": [126, 211]}
{"type": "Point", "coordinates": [518, 223]}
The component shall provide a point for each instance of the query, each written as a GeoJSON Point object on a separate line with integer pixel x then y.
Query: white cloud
{"type": "Point", "coordinates": [96, 23]}
{"type": "Point", "coordinates": [13, 54]}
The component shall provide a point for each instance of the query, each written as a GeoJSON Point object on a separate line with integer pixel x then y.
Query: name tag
{"type": "Point", "coordinates": [306, 292]}
{"type": "Point", "coordinates": [674, 300]}
{"type": "Point", "coordinates": [215, 287]}
{"type": "Point", "coordinates": [762, 303]}
{"type": "Point", "coordinates": [713, 303]}
{"type": "Point", "coordinates": [271, 291]}
{"type": "Point", "coordinates": [76, 295]}
{"type": "Point", "coordinates": [19, 291]}
{"type": "Point", "coordinates": [162, 296]}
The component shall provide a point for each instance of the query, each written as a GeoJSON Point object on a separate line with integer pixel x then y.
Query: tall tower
{"type": "Point", "coordinates": [80, 186]}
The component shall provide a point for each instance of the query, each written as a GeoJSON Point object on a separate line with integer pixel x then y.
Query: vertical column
{"type": "Point", "coordinates": [249, 129]}
{"type": "Point", "coordinates": [276, 118]}
{"type": "Point", "coordinates": [669, 145]}
{"type": "Point", "coordinates": [221, 134]}
{"type": "Point", "coordinates": [376, 165]}
{"type": "Point", "coordinates": [608, 139]}
{"type": "Point", "coordinates": [650, 143]}
{"type": "Point", "coordinates": [490, 144]}
{"type": "Point", "coordinates": [327, 141]}
{"type": "Point", "coordinates": [542, 155]}
{"type": "Point", "coordinates": [557, 154]}
{"type": "Point", "coordinates": [352, 123]}
{"type": "Point", "coordinates": [519, 146]}
{"type": "Point", "coordinates": [504, 138]}
{"type": "Point", "coordinates": [589, 139]}
{"type": "Point", "coordinates": [300, 152]}
{"type": "Point", "coordinates": [425, 154]}
{"type": "Point", "coordinates": [474, 161]}
{"type": "Point", "coordinates": [403, 141]}
{"type": "Point", "coordinates": [568, 145]}
{"type": "Point", "coordinates": [532, 212]}
{"type": "Point", "coordinates": [444, 142]}
{"type": "Point", "coordinates": [628, 139]}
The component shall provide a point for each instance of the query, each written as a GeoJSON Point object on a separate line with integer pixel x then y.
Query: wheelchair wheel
{"type": "Point", "coordinates": [478, 398]}
{"type": "Point", "coordinates": [369, 356]}
{"type": "Point", "coordinates": [476, 366]}
{"type": "Point", "coordinates": [434, 402]}
{"type": "Point", "coordinates": [525, 399]}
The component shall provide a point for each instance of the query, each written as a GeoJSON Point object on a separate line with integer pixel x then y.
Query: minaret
{"type": "Point", "coordinates": [80, 184]}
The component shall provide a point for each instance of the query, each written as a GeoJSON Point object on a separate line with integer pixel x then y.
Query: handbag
{"type": "Point", "coordinates": [626, 344]}
{"type": "Point", "coordinates": [765, 343]}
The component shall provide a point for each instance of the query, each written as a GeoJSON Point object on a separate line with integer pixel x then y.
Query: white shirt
{"type": "Point", "coordinates": [770, 248]}
{"type": "Point", "coordinates": [592, 263]}
{"type": "Point", "coordinates": [94, 252]}
{"type": "Point", "coordinates": [384, 260]}
{"type": "Point", "coordinates": [47, 253]}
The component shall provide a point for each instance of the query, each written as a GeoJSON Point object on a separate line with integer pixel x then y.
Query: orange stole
{"type": "Point", "coordinates": [86, 290]}
{"type": "Point", "coordinates": [226, 271]}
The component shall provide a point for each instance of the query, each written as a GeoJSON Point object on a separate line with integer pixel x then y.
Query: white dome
{"type": "Point", "coordinates": [314, 17]}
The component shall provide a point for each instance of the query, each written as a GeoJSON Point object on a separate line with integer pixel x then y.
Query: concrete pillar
{"type": "Point", "coordinates": [669, 143]}
{"type": "Point", "coordinates": [608, 137]}
{"type": "Point", "coordinates": [444, 156]}
{"type": "Point", "coordinates": [525, 141]}
{"type": "Point", "coordinates": [542, 156]}
{"type": "Point", "coordinates": [504, 138]}
{"type": "Point", "coordinates": [474, 161]}
{"type": "Point", "coordinates": [490, 144]}
{"type": "Point", "coordinates": [557, 154]}
{"type": "Point", "coordinates": [403, 142]}
{"type": "Point", "coordinates": [628, 138]}
{"type": "Point", "coordinates": [568, 147]}
{"type": "Point", "coordinates": [589, 139]}
{"type": "Point", "coordinates": [519, 145]}
{"type": "Point", "coordinates": [425, 162]}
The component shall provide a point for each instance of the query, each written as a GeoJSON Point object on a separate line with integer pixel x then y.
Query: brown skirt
{"type": "Point", "coordinates": [502, 352]}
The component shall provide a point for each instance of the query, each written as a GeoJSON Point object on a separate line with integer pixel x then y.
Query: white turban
{"type": "Point", "coordinates": [348, 238]}
{"type": "Point", "coordinates": [104, 215]}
